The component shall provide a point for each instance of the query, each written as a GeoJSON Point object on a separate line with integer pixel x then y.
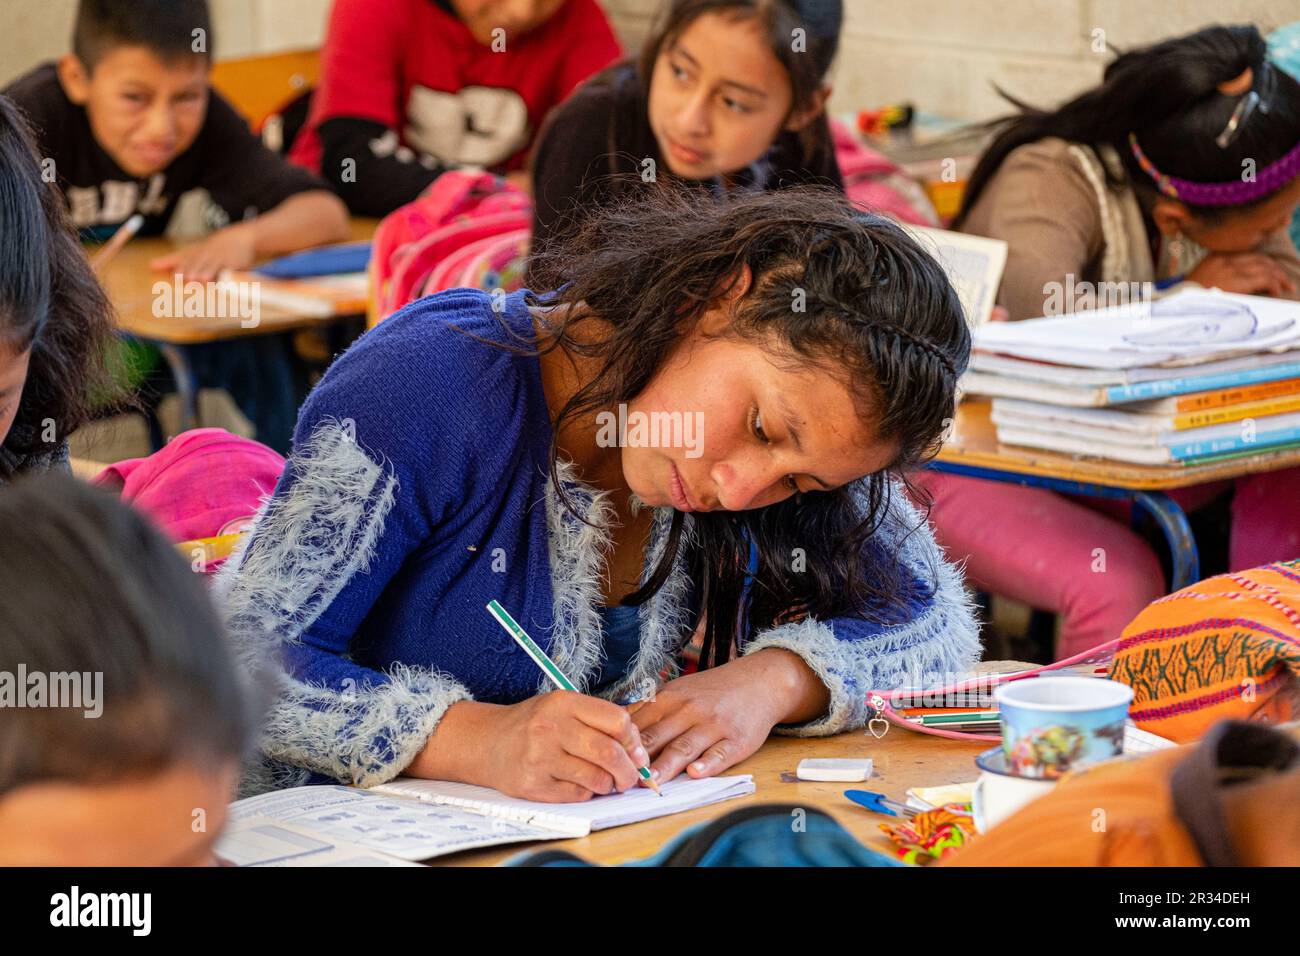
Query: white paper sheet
{"type": "Point", "coordinates": [261, 841]}
{"type": "Point", "coordinates": [612, 810]}
{"type": "Point", "coordinates": [404, 828]}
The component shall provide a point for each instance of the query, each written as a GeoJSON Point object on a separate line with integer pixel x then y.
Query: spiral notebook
{"type": "Point", "coordinates": [420, 819]}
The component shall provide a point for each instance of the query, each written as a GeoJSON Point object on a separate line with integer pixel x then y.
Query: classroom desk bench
{"type": "Point", "coordinates": [130, 281]}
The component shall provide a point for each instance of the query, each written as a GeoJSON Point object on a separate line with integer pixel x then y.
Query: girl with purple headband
{"type": "Point", "coordinates": [1183, 166]}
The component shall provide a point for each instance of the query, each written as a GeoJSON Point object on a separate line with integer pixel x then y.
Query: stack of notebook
{"type": "Point", "coordinates": [1194, 378]}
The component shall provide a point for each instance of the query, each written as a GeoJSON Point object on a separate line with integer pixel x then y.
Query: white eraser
{"type": "Point", "coordinates": [845, 769]}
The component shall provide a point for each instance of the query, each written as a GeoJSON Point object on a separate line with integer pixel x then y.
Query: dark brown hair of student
{"type": "Point", "coordinates": [91, 588]}
{"type": "Point", "coordinates": [877, 312]}
{"type": "Point", "coordinates": [50, 300]}
{"type": "Point", "coordinates": [170, 29]}
{"type": "Point", "coordinates": [819, 21]}
{"type": "Point", "coordinates": [1168, 95]}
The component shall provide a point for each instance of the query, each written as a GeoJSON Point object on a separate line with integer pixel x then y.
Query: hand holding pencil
{"type": "Point", "coordinates": [596, 742]}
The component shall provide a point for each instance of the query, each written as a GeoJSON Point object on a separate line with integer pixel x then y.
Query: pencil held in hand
{"type": "Point", "coordinates": [542, 660]}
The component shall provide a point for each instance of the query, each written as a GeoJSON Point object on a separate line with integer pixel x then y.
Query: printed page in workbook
{"type": "Point", "coordinates": [403, 828]}
{"type": "Point", "coordinates": [420, 819]}
{"type": "Point", "coordinates": [261, 841]}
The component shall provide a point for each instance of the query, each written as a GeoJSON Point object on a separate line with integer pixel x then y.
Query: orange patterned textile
{"type": "Point", "coordinates": [1226, 647]}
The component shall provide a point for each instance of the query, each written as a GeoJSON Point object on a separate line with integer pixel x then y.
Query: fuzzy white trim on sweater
{"type": "Point", "coordinates": [942, 639]}
{"type": "Point", "coordinates": [305, 546]}
{"type": "Point", "coordinates": [579, 554]}
{"type": "Point", "coordinates": [663, 618]}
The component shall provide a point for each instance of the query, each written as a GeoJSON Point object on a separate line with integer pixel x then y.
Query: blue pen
{"type": "Point", "coordinates": [877, 802]}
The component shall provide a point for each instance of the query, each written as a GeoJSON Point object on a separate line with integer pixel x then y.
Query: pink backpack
{"type": "Point", "coordinates": [874, 182]}
{"type": "Point", "coordinates": [471, 230]}
{"type": "Point", "coordinates": [465, 230]}
{"type": "Point", "coordinates": [203, 483]}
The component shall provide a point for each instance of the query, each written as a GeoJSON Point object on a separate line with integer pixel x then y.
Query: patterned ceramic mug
{"type": "Point", "coordinates": [1052, 725]}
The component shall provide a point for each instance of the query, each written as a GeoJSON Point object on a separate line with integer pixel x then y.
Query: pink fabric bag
{"type": "Point", "coordinates": [460, 208]}
{"type": "Point", "coordinates": [203, 483]}
{"type": "Point", "coordinates": [874, 182]}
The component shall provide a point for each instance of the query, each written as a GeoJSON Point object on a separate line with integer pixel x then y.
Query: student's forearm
{"type": "Point", "coordinates": [461, 735]}
{"type": "Point", "coordinates": [798, 693]}
{"type": "Point", "coordinates": [307, 219]}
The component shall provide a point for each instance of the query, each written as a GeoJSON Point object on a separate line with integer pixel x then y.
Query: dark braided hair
{"type": "Point", "coordinates": [880, 316]}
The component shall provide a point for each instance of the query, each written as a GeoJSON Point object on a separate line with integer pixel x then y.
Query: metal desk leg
{"type": "Point", "coordinates": [1182, 545]}
{"type": "Point", "coordinates": [186, 389]}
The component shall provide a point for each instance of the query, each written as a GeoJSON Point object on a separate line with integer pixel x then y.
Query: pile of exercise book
{"type": "Point", "coordinates": [1200, 376]}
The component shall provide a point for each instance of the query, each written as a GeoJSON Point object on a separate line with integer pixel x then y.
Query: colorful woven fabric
{"type": "Point", "coordinates": [1226, 647]}
{"type": "Point", "coordinates": [932, 834]}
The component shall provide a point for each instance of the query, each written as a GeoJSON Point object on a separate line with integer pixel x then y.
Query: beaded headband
{"type": "Point", "coordinates": [1235, 192]}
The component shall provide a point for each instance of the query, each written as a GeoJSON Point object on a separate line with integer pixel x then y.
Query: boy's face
{"type": "Point", "coordinates": [144, 111]}
{"type": "Point", "coordinates": [172, 818]}
{"type": "Point", "coordinates": [515, 17]}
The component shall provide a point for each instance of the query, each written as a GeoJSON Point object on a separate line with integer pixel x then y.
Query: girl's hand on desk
{"type": "Point", "coordinates": [708, 721]}
{"type": "Point", "coordinates": [234, 247]}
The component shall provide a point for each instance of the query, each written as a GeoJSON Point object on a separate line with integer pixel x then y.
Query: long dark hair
{"type": "Point", "coordinates": [879, 314]}
{"type": "Point", "coordinates": [50, 300]}
{"type": "Point", "coordinates": [91, 587]}
{"type": "Point", "coordinates": [1168, 95]}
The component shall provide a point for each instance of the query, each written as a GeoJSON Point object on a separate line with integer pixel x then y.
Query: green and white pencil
{"type": "Point", "coordinates": [542, 660]}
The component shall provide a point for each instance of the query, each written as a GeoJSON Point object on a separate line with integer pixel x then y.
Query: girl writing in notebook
{"type": "Point", "coordinates": [711, 377]}
{"type": "Point", "coordinates": [1183, 166]}
{"type": "Point", "coordinates": [726, 95]}
{"type": "Point", "coordinates": [55, 321]}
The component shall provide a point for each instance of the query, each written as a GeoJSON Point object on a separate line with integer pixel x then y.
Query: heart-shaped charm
{"type": "Point", "coordinates": [871, 726]}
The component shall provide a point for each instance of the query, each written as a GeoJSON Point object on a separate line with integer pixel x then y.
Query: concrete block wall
{"type": "Point", "coordinates": [946, 56]}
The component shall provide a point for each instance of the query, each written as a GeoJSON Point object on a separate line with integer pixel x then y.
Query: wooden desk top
{"type": "Point", "coordinates": [130, 282]}
{"type": "Point", "coordinates": [902, 759]}
{"type": "Point", "coordinates": [975, 442]}
{"type": "Point", "coordinates": [85, 469]}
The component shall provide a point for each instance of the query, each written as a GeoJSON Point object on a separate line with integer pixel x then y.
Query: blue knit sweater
{"type": "Point", "coordinates": [418, 490]}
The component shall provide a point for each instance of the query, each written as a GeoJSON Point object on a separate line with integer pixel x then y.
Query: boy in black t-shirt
{"type": "Point", "coordinates": [130, 124]}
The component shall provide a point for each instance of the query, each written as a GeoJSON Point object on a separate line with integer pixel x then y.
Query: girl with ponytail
{"type": "Point", "coordinates": [1183, 166]}
{"type": "Point", "coordinates": [726, 95]}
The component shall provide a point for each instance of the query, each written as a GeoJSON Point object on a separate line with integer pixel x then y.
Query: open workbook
{"type": "Point", "coordinates": [411, 819]}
